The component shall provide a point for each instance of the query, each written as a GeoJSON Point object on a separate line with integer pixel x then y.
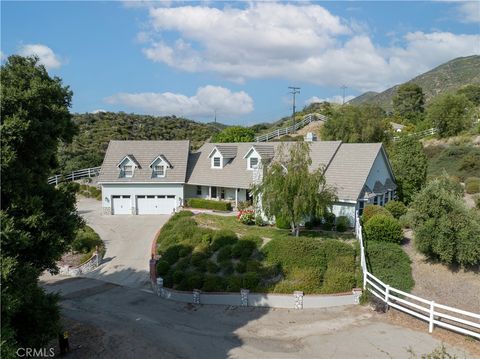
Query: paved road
{"type": "Point", "coordinates": [128, 241]}
{"type": "Point", "coordinates": [121, 322]}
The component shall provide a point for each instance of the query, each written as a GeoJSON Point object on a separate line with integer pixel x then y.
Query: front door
{"type": "Point", "coordinates": [214, 192]}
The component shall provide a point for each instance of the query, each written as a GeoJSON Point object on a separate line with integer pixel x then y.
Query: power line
{"type": "Point", "coordinates": [294, 91]}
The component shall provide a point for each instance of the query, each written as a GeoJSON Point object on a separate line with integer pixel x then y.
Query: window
{"type": "Point", "coordinates": [375, 200]}
{"type": "Point", "coordinates": [128, 171]}
{"type": "Point", "coordinates": [222, 193]}
{"type": "Point", "coordinates": [199, 190]}
{"type": "Point", "coordinates": [253, 162]}
{"type": "Point", "coordinates": [159, 171]}
{"type": "Point", "coordinates": [217, 162]}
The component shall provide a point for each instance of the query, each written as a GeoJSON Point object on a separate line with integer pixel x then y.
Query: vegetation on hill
{"type": "Point", "coordinates": [447, 77]}
{"type": "Point", "coordinates": [234, 134]}
{"type": "Point", "coordinates": [95, 131]}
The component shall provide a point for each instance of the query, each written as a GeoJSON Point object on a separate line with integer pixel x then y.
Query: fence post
{"type": "Point", "coordinates": [364, 278]}
{"type": "Point", "coordinates": [430, 323]}
{"type": "Point", "coordinates": [73, 176]}
{"type": "Point", "coordinates": [387, 291]}
{"type": "Point", "coordinates": [89, 173]}
{"type": "Point", "coordinates": [56, 180]}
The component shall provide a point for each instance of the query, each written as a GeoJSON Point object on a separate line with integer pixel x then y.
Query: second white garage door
{"type": "Point", "coordinates": [156, 204]}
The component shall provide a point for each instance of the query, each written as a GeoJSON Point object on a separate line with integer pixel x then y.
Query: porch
{"type": "Point", "coordinates": [232, 195]}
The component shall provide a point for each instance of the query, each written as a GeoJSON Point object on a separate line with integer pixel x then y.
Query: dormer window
{"type": "Point", "coordinates": [128, 171]}
{"type": "Point", "coordinates": [217, 162]}
{"type": "Point", "coordinates": [159, 166]}
{"type": "Point", "coordinates": [159, 171]}
{"type": "Point", "coordinates": [127, 166]}
{"type": "Point", "coordinates": [221, 155]}
{"type": "Point", "coordinates": [253, 163]}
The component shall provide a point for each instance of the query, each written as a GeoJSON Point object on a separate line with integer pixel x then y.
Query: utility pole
{"type": "Point", "coordinates": [294, 91]}
{"type": "Point", "coordinates": [215, 116]}
{"type": "Point", "coordinates": [344, 88]}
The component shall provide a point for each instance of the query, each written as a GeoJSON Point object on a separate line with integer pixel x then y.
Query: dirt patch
{"type": "Point", "coordinates": [470, 199]}
{"type": "Point", "coordinates": [454, 287]}
{"type": "Point", "coordinates": [265, 240]}
{"type": "Point", "coordinates": [71, 259]}
{"type": "Point", "coordinates": [398, 318]}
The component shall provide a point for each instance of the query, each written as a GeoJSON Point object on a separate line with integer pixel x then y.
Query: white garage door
{"type": "Point", "coordinates": [156, 204]}
{"type": "Point", "coordinates": [121, 205]}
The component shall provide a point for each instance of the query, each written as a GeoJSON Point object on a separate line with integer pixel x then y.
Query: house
{"type": "Point", "coordinates": [154, 177]}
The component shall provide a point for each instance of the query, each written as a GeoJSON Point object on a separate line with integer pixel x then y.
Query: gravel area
{"type": "Point", "coordinates": [445, 285]}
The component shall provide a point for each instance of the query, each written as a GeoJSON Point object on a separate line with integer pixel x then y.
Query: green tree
{"type": "Point", "coordinates": [409, 164]}
{"type": "Point", "coordinates": [472, 92]}
{"type": "Point", "coordinates": [38, 221]}
{"type": "Point", "coordinates": [444, 228]}
{"type": "Point", "coordinates": [450, 114]}
{"type": "Point", "coordinates": [234, 134]}
{"type": "Point", "coordinates": [409, 102]}
{"type": "Point", "coordinates": [357, 123]}
{"type": "Point", "coordinates": [289, 190]}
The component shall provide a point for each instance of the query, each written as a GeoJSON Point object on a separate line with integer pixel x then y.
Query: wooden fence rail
{"type": "Point", "coordinates": [75, 175]}
{"type": "Point", "coordinates": [291, 129]}
{"type": "Point", "coordinates": [435, 314]}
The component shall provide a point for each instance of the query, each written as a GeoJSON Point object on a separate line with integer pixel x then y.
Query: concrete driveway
{"type": "Point", "coordinates": [128, 241]}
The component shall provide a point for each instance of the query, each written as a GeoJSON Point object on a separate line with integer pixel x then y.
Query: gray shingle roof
{"type": "Point", "coordinates": [235, 173]}
{"type": "Point", "coordinates": [175, 152]}
{"type": "Point", "coordinates": [265, 151]}
{"type": "Point", "coordinates": [227, 151]}
{"type": "Point", "coordinates": [350, 167]}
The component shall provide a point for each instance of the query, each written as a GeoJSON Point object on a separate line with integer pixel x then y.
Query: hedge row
{"type": "Point", "coordinates": [209, 204]}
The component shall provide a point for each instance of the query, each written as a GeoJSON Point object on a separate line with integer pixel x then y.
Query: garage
{"type": "Point", "coordinates": [160, 204]}
{"type": "Point", "coordinates": [121, 205]}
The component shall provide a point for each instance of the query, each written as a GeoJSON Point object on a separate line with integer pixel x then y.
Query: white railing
{"type": "Point", "coordinates": [75, 175]}
{"type": "Point", "coordinates": [421, 134]}
{"type": "Point", "coordinates": [457, 320]}
{"type": "Point", "coordinates": [291, 129]}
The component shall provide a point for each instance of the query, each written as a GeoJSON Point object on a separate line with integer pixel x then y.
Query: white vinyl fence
{"type": "Point", "coordinates": [421, 134]}
{"type": "Point", "coordinates": [457, 320]}
{"type": "Point", "coordinates": [75, 175]}
{"type": "Point", "coordinates": [291, 129]}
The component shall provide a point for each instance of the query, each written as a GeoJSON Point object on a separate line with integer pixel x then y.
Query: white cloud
{"type": "Point", "coordinates": [203, 104]}
{"type": "Point", "coordinates": [46, 55]}
{"type": "Point", "coordinates": [298, 42]}
{"type": "Point", "coordinates": [333, 99]}
{"type": "Point", "coordinates": [469, 11]}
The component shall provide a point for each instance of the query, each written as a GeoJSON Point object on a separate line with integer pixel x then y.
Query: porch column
{"type": "Point", "coordinates": [209, 192]}
{"type": "Point", "coordinates": [236, 198]}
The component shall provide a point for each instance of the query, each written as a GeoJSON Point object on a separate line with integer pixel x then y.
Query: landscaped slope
{"type": "Point", "coordinates": [96, 130]}
{"type": "Point", "coordinates": [217, 253]}
{"type": "Point", "coordinates": [449, 76]}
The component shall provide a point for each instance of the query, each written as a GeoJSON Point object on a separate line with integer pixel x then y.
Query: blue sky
{"type": "Point", "coordinates": [237, 58]}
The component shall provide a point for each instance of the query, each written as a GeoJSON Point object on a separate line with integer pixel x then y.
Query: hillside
{"type": "Point", "coordinates": [449, 76]}
{"type": "Point", "coordinates": [96, 130]}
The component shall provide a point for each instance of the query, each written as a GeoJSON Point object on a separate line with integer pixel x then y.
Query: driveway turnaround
{"type": "Point", "coordinates": [110, 321]}
{"type": "Point", "coordinates": [128, 241]}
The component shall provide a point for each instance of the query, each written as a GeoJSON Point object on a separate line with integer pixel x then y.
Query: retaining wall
{"type": "Point", "coordinates": [94, 261]}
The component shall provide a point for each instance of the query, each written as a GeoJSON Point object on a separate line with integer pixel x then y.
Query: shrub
{"type": "Point", "coordinates": [250, 280]}
{"type": "Point", "coordinates": [227, 267]}
{"type": "Point", "coordinates": [472, 185]}
{"type": "Point", "coordinates": [213, 283]}
{"type": "Point", "coordinates": [199, 261]}
{"type": "Point", "coordinates": [383, 229]}
{"type": "Point", "coordinates": [212, 267]}
{"type": "Point", "coordinates": [246, 217]}
{"type": "Point", "coordinates": [171, 254]}
{"type": "Point", "coordinates": [342, 224]}
{"type": "Point", "coordinates": [253, 266]}
{"type": "Point", "coordinates": [308, 280]}
{"type": "Point", "coordinates": [282, 223]}
{"type": "Point", "coordinates": [184, 251]}
{"type": "Point", "coordinates": [86, 240]}
{"type": "Point", "coordinates": [390, 264]}
{"type": "Point", "coordinates": [371, 210]}
{"type": "Point", "coordinates": [162, 267]}
{"type": "Point", "coordinates": [241, 267]}
{"type": "Point", "coordinates": [259, 221]}
{"type": "Point", "coordinates": [209, 204]}
{"type": "Point", "coordinates": [328, 221]}
{"type": "Point", "coordinates": [243, 205]}
{"type": "Point", "coordinates": [396, 208]}
{"type": "Point", "coordinates": [223, 238]}
{"type": "Point", "coordinates": [193, 280]}
{"type": "Point", "coordinates": [182, 263]}
{"type": "Point", "coordinates": [243, 249]}
{"type": "Point", "coordinates": [234, 283]}
{"type": "Point", "coordinates": [339, 276]}
{"type": "Point", "coordinates": [178, 277]}
{"type": "Point", "coordinates": [225, 253]}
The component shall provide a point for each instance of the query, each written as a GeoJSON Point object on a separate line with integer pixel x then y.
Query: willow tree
{"type": "Point", "coordinates": [290, 189]}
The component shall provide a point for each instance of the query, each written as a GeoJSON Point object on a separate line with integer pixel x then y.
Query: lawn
{"type": "Point", "coordinates": [218, 253]}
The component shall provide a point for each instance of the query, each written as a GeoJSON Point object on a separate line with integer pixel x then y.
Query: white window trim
{"type": "Point", "coordinates": [213, 162]}
{"type": "Point", "coordinates": [124, 172]}
{"type": "Point", "coordinates": [249, 164]}
{"type": "Point", "coordinates": [156, 173]}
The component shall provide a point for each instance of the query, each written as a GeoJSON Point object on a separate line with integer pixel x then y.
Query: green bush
{"type": "Point", "coordinates": [472, 185]}
{"type": "Point", "coordinates": [162, 267]}
{"type": "Point", "coordinates": [234, 283]}
{"type": "Point", "coordinates": [308, 280]}
{"type": "Point", "coordinates": [213, 283]}
{"type": "Point", "coordinates": [396, 208]}
{"type": "Point", "coordinates": [342, 224]}
{"type": "Point", "coordinates": [193, 280]}
{"type": "Point", "coordinates": [282, 223]}
{"type": "Point", "coordinates": [383, 229]}
{"type": "Point", "coordinates": [328, 221]}
{"type": "Point", "coordinates": [178, 276]}
{"type": "Point", "coordinates": [243, 249]}
{"type": "Point", "coordinates": [390, 264]}
{"type": "Point", "coordinates": [212, 267]}
{"type": "Point", "coordinates": [371, 210]}
{"type": "Point", "coordinates": [253, 266]}
{"type": "Point", "coordinates": [223, 238]}
{"type": "Point", "coordinates": [259, 221]}
{"type": "Point", "coordinates": [340, 275]}
{"type": "Point", "coordinates": [227, 267]}
{"type": "Point", "coordinates": [247, 217]}
{"type": "Point", "coordinates": [209, 204]}
{"type": "Point", "coordinates": [241, 267]}
{"type": "Point", "coordinates": [86, 240]}
{"type": "Point", "coordinates": [250, 280]}
{"type": "Point", "coordinates": [185, 251]}
{"type": "Point", "coordinates": [171, 254]}
{"type": "Point", "coordinates": [225, 253]}
{"type": "Point", "coordinates": [182, 264]}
